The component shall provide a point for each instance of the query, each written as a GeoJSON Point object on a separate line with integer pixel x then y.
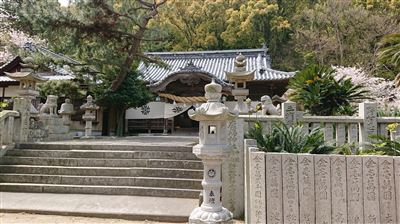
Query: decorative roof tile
{"type": "Point", "coordinates": [214, 62]}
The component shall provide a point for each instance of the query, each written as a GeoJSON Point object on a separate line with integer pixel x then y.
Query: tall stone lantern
{"type": "Point", "coordinates": [239, 77]}
{"type": "Point", "coordinates": [28, 79]}
{"type": "Point", "coordinates": [90, 115]}
{"type": "Point", "coordinates": [213, 147]}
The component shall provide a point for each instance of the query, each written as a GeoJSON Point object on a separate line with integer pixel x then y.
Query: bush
{"type": "Point", "coordinates": [289, 139]}
{"type": "Point", "coordinates": [321, 94]}
{"type": "Point", "coordinates": [385, 146]}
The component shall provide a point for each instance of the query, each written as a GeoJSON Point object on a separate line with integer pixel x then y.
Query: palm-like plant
{"type": "Point", "coordinates": [389, 52]}
{"type": "Point", "coordinates": [290, 139]}
{"type": "Point", "coordinates": [321, 94]}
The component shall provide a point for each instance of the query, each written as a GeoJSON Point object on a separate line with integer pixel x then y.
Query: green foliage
{"type": "Point", "coordinates": [388, 112]}
{"type": "Point", "coordinates": [321, 94]}
{"type": "Point", "coordinates": [389, 54]}
{"type": "Point", "coordinates": [3, 105]}
{"type": "Point", "coordinates": [289, 139]}
{"type": "Point", "coordinates": [132, 93]}
{"type": "Point", "coordinates": [385, 146]}
{"type": "Point", "coordinates": [61, 88]}
{"type": "Point", "coordinates": [105, 34]}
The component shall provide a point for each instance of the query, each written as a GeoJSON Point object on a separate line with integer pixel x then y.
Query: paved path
{"type": "Point", "coordinates": [106, 206]}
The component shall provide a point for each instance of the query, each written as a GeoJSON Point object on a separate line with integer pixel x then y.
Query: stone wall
{"type": "Point", "coordinates": [304, 188]}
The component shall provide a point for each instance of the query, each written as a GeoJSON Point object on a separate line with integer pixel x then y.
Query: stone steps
{"type": "Point", "coordinates": [112, 154]}
{"type": "Point", "coordinates": [107, 167]}
{"type": "Point", "coordinates": [106, 147]}
{"type": "Point", "coordinates": [99, 189]}
{"type": "Point", "coordinates": [103, 171]}
{"type": "Point", "coordinates": [101, 162]}
{"type": "Point", "coordinates": [101, 180]}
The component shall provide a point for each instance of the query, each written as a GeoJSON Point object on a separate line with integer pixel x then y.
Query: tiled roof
{"type": "Point", "coordinates": [214, 62]}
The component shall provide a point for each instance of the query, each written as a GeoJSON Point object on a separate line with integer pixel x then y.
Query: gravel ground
{"type": "Point", "coordinates": [25, 218]}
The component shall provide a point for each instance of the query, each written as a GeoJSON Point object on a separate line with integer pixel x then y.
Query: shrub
{"type": "Point", "coordinates": [289, 139]}
{"type": "Point", "coordinates": [320, 93]}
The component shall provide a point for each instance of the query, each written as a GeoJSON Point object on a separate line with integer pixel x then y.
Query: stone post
{"type": "Point", "coordinates": [289, 113]}
{"type": "Point", "coordinates": [90, 108]}
{"type": "Point", "coordinates": [212, 149]}
{"type": "Point", "coordinates": [23, 106]}
{"type": "Point", "coordinates": [368, 112]}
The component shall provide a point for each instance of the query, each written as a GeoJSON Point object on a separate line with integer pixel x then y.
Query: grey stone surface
{"type": "Point", "coordinates": [273, 179]}
{"type": "Point", "coordinates": [306, 188]}
{"type": "Point", "coordinates": [133, 207]}
{"type": "Point", "coordinates": [248, 143]}
{"type": "Point", "coordinates": [338, 188]}
{"type": "Point", "coordinates": [257, 187]}
{"type": "Point", "coordinates": [290, 188]}
{"type": "Point", "coordinates": [386, 190]}
{"type": "Point", "coordinates": [123, 166]}
{"type": "Point", "coordinates": [355, 189]}
{"type": "Point", "coordinates": [371, 189]}
{"type": "Point", "coordinates": [322, 189]}
{"type": "Point", "coordinates": [397, 182]}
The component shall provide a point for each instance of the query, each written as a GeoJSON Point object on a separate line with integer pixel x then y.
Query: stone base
{"type": "Point", "coordinates": [199, 216]}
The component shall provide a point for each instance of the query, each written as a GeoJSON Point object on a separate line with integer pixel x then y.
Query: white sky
{"type": "Point", "coordinates": [63, 2]}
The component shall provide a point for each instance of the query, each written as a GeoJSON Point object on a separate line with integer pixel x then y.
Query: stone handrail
{"type": "Point", "coordinates": [306, 188]}
{"type": "Point", "coordinates": [7, 129]}
{"type": "Point", "coordinates": [337, 129]}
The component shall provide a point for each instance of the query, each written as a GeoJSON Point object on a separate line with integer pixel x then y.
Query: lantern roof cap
{"type": "Point", "coordinates": [213, 110]}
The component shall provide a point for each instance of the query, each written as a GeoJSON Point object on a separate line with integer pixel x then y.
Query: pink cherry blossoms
{"type": "Point", "coordinates": [381, 90]}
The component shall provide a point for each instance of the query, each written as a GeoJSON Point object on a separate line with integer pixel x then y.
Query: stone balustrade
{"type": "Point", "coordinates": [7, 129]}
{"type": "Point", "coordinates": [337, 129]}
{"type": "Point", "coordinates": [305, 188]}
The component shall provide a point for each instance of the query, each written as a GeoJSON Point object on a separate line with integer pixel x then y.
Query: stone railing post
{"type": "Point", "coordinates": [249, 145]}
{"type": "Point", "coordinates": [23, 106]}
{"type": "Point", "coordinates": [368, 112]}
{"type": "Point", "coordinates": [289, 113]}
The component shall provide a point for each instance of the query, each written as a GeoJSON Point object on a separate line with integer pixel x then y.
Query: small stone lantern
{"type": "Point", "coordinates": [89, 116]}
{"type": "Point", "coordinates": [240, 76]}
{"type": "Point", "coordinates": [213, 147]}
{"type": "Point", "coordinates": [66, 110]}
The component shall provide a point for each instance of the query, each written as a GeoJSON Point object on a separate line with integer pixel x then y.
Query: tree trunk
{"type": "Point", "coordinates": [119, 130]}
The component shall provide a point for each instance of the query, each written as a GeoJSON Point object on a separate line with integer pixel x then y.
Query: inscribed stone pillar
{"type": "Point", "coordinates": [371, 189]}
{"type": "Point", "coordinates": [355, 190]}
{"type": "Point", "coordinates": [397, 181]}
{"type": "Point", "coordinates": [257, 186]}
{"type": "Point", "coordinates": [368, 112]}
{"type": "Point", "coordinates": [273, 179]}
{"type": "Point", "coordinates": [306, 188]}
{"type": "Point", "coordinates": [338, 185]}
{"type": "Point", "coordinates": [289, 113]}
{"type": "Point", "coordinates": [322, 189]}
{"type": "Point", "coordinates": [290, 188]}
{"type": "Point", "coordinates": [387, 192]}
{"type": "Point", "coordinates": [233, 170]}
{"type": "Point", "coordinates": [23, 106]}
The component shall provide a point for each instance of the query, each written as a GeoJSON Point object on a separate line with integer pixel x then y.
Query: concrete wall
{"type": "Point", "coordinates": [304, 188]}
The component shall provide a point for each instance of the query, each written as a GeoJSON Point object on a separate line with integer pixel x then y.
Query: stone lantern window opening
{"type": "Point", "coordinates": [212, 129]}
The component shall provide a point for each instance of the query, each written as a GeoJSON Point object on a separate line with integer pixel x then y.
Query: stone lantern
{"type": "Point", "coordinates": [213, 147]}
{"type": "Point", "coordinates": [66, 110]}
{"type": "Point", "coordinates": [90, 115]}
{"type": "Point", "coordinates": [239, 77]}
{"type": "Point", "coordinates": [28, 79]}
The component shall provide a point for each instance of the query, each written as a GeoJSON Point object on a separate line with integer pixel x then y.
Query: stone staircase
{"type": "Point", "coordinates": [141, 170]}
